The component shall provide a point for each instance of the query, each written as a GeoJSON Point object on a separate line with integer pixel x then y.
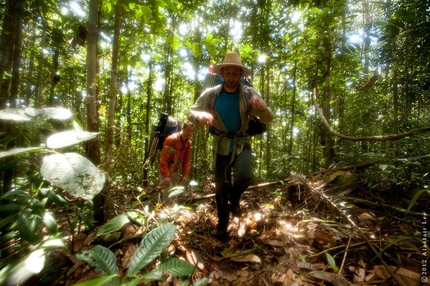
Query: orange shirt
{"type": "Point", "coordinates": [174, 155]}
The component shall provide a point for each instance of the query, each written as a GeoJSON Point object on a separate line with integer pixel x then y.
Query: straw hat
{"type": "Point", "coordinates": [232, 59]}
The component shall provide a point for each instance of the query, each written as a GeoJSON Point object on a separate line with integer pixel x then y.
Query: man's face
{"type": "Point", "coordinates": [187, 132]}
{"type": "Point", "coordinates": [231, 77]}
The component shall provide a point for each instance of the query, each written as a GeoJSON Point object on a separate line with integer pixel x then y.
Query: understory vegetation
{"type": "Point", "coordinates": [340, 192]}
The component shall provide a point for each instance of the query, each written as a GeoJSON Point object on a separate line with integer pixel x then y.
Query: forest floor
{"type": "Point", "coordinates": [299, 231]}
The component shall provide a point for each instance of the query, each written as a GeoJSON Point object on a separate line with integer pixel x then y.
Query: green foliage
{"type": "Point", "coordinates": [101, 258]}
{"type": "Point", "coordinates": [151, 246]}
{"type": "Point", "coordinates": [28, 227]}
{"type": "Point", "coordinates": [332, 262]}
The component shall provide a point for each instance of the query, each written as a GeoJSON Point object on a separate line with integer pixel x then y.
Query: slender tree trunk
{"type": "Point", "coordinates": [16, 56]}
{"type": "Point", "coordinates": [11, 36]}
{"type": "Point", "coordinates": [113, 91]}
{"type": "Point", "coordinates": [92, 114]}
{"type": "Point", "coordinates": [13, 61]}
{"type": "Point", "coordinates": [54, 76]}
{"type": "Point", "coordinates": [148, 129]}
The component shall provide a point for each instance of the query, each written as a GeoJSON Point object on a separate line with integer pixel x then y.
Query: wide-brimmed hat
{"type": "Point", "coordinates": [232, 59]}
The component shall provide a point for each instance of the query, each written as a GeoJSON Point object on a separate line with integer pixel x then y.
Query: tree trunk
{"type": "Point", "coordinates": [11, 35]}
{"type": "Point", "coordinates": [148, 129]}
{"type": "Point", "coordinates": [93, 149]}
{"type": "Point", "coordinates": [113, 91]}
{"type": "Point", "coordinates": [11, 58]}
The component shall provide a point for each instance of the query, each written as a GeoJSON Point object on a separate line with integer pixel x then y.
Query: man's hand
{"type": "Point", "coordinates": [167, 181]}
{"type": "Point", "coordinates": [257, 102]}
{"type": "Point", "coordinates": [184, 180]}
{"type": "Point", "coordinates": [205, 118]}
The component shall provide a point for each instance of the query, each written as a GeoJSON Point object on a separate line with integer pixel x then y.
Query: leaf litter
{"type": "Point", "coordinates": [321, 230]}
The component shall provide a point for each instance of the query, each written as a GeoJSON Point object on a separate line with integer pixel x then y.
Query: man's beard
{"type": "Point", "coordinates": [231, 84]}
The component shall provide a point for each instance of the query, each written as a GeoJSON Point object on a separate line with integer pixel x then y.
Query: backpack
{"type": "Point", "coordinates": [166, 126]}
{"type": "Point", "coordinates": [255, 126]}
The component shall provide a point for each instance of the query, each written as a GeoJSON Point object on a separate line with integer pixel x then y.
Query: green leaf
{"type": "Point", "coordinates": [152, 245]}
{"type": "Point", "coordinates": [135, 281]}
{"type": "Point", "coordinates": [113, 225]}
{"type": "Point", "coordinates": [389, 245]}
{"type": "Point", "coordinates": [86, 220]}
{"type": "Point", "coordinates": [69, 138]}
{"type": "Point", "coordinates": [101, 258]}
{"type": "Point", "coordinates": [15, 194]}
{"type": "Point", "coordinates": [178, 267]}
{"type": "Point", "coordinates": [50, 222]}
{"type": "Point", "coordinates": [54, 243]}
{"type": "Point", "coordinates": [17, 151]}
{"type": "Point", "coordinates": [73, 173]}
{"type": "Point", "coordinates": [414, 199]}
{"type": "Point", "coordinates": [37, 208]}
{"type": "Point", "coordinates": [24, 227]}
{"type": "Point", "coordinates": [176, 191]}
{"type": "Point", "coordinates": [54, 197]}
{"type": "Point", "coordinates": [98, 281]}
{"type": "Point", "coordinates": [10, 208]}
{"type": "Point", "coordinates": [155, 274]}
{"type": "Point", "coordinates": [14, 114]}
{"type": "Point", "coordinates": [201, 282]}
{"type": "Point", "coordinates": [74, 223]}
{"type": "Point", "coordinates": [332, 262]}
{"type": "Point", "coordinates": [57, 113]}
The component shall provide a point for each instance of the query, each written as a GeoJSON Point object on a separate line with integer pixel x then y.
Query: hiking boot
{"type": "Point", "coordinates": [220, 235]}
{"type": "Point", "coordinates": [236, 211]}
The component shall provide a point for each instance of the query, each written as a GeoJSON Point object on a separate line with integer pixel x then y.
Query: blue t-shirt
{"type": "Point", "coordinates": [227, 105]}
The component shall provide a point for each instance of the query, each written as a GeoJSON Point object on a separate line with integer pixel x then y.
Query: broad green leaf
{"type": "Point", "coordinates": [74, 223]}
{"type": "Point", "coordinates": [35, 261]}
{"type": "Point", "coordinates": [15, 194]}
{"type": "Point", "coordinates": [98, 281]}
{"type": "Point", "coordinates": [24, 227]}
{"type": "Point", "coordinates": [101, 258]}
{"type": "Point", "coordinates": [414, 199]}
{"type": "Point", "coordinates": [11, 163]}
{"type": "Point", "coordinates": [155, 274]}
{"type": "Point", "coordinates": [196, 50]}
{"type": "Point", "coordinates": [86, 220]}
{"type": "Point", "coordinates": [69, 138]}
{"type": "Point", "coordinates": [152, 245]}
{"type": "Point", "coordinates": [29, 113]}
{"type": "Point", "coordinates": [54, 197]}
{"type": "Point", "coordinates": [73, 173]}
{"type": "Point", "coordinates": [178, 267]}
{"type": "Point", "coordinates": [176, 191]}
{"type": "Point", "coordinates": [113, 225]}
{"type": "Point", "coordinates": [50, 222]}
{"type": "Point", "coordinates": [17, 151]}
{"type": "Point", "coordinates": [37, 208]}
{"type": "Point", "coordinates": [10, 208]}
{"type": "Point", "coordinates": [57, 113]}
{"type": "Point", "coordinates": [54, 243]}
{"type": "Point", "coordinates": [14, 114]}
{"type": "Point", "coordinates": [332, 262]}
{"type": "Point", "coordinates": [4, 221]}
